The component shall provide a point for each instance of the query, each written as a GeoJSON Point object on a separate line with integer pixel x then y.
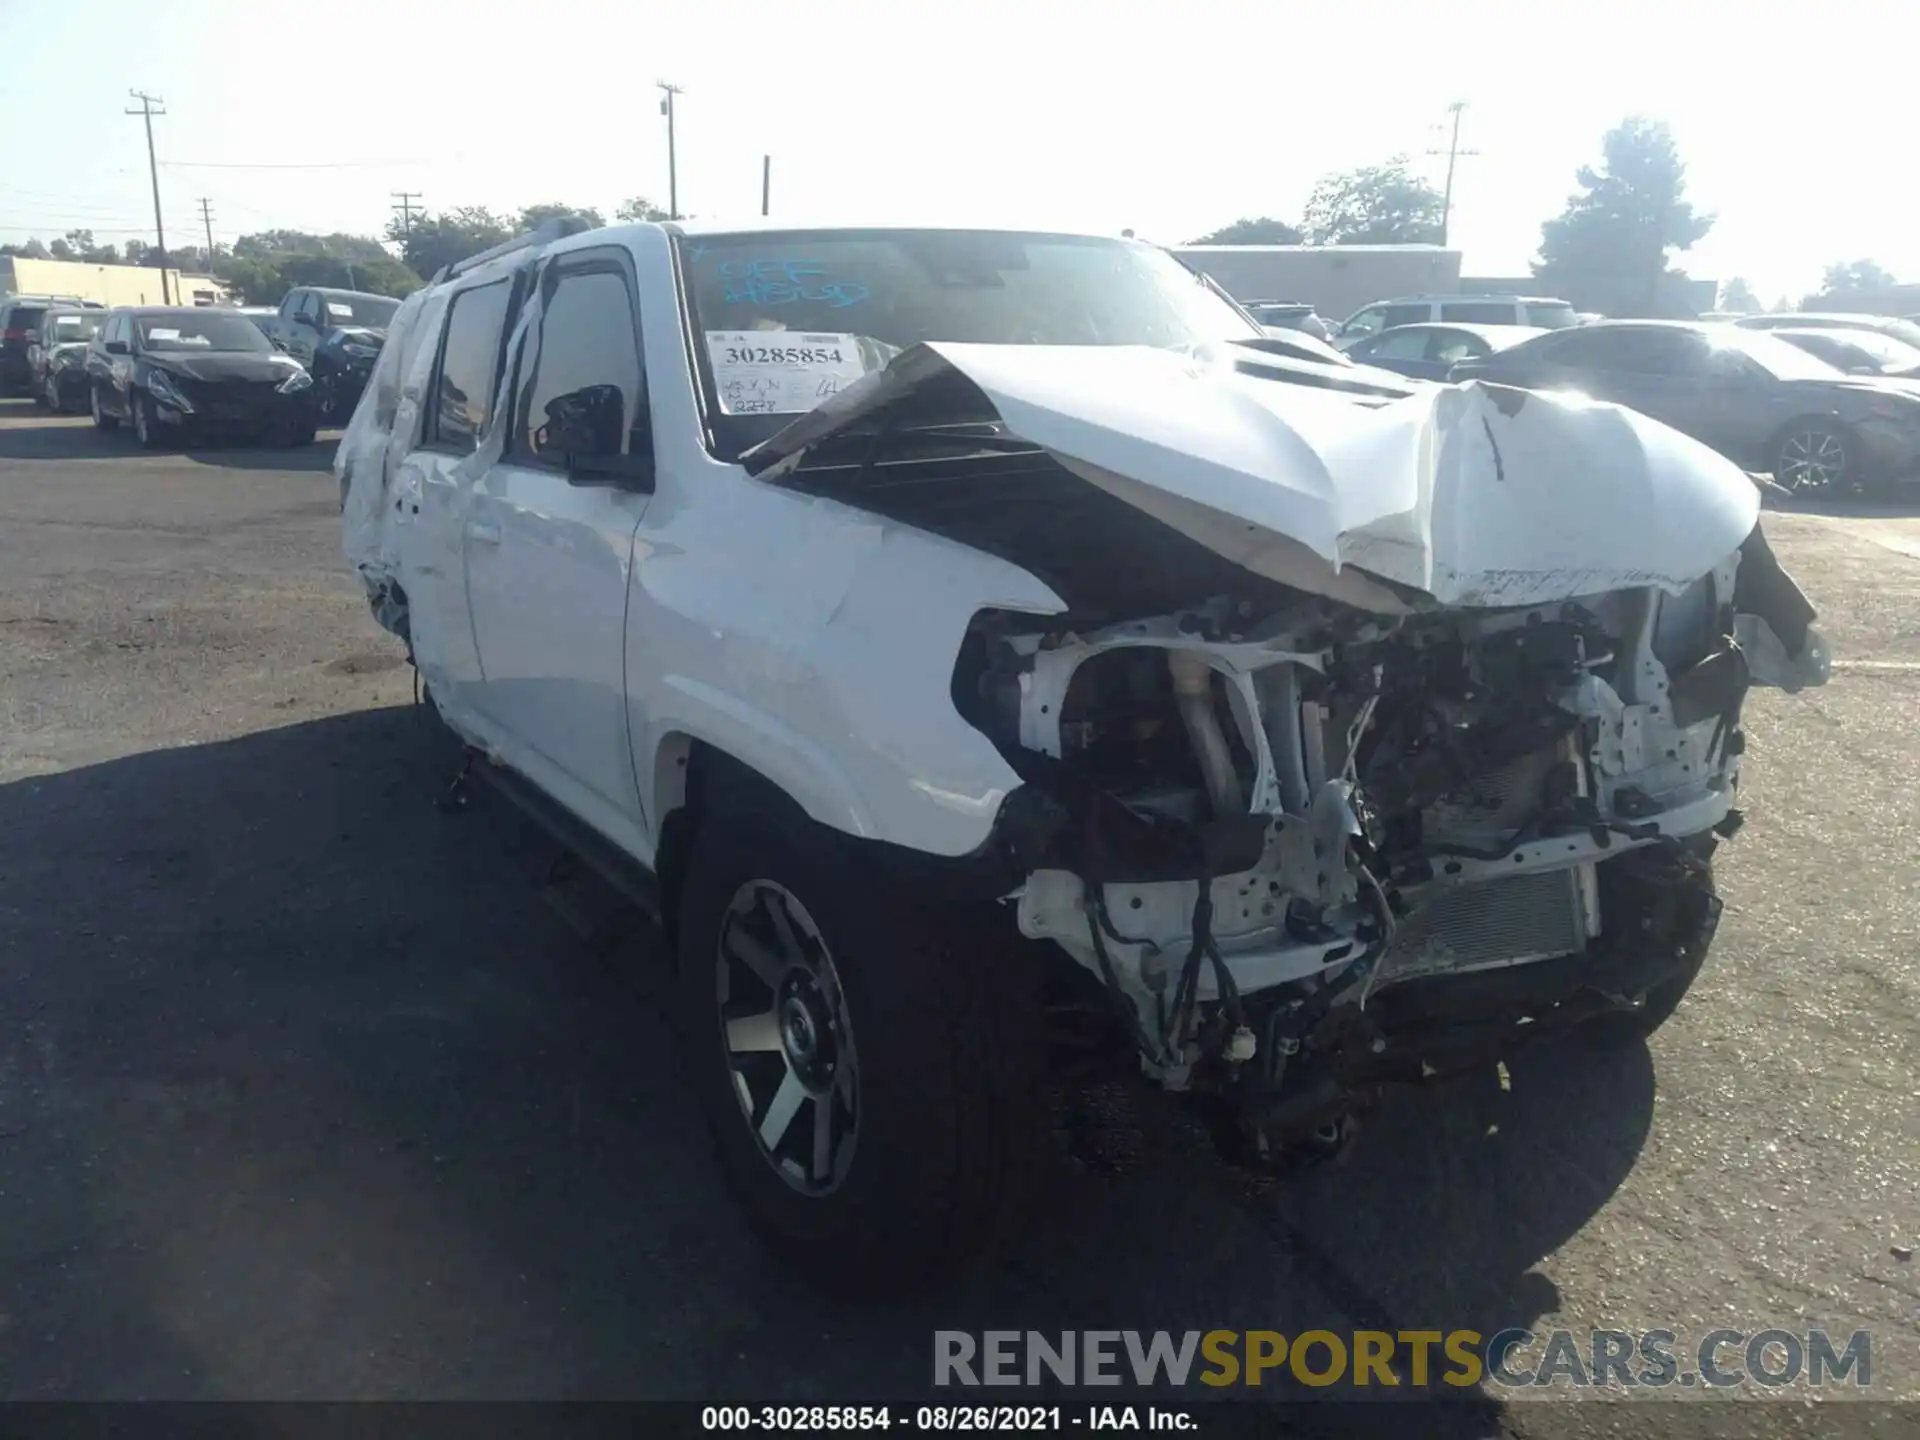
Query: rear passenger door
{"type": "Point", "coordinates": [442, 470]}
{"type": "Point", "coordinates": [549, 544]}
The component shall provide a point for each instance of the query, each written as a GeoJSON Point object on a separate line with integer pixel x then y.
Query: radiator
{"type": "Point", "coordinates": [1492, 923]}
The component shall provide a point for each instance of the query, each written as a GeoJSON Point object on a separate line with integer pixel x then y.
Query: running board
{"type": "Point", "coordinates": [633, 880]}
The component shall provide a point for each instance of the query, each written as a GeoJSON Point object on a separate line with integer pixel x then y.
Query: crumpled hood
{"type": "Point", "coordinates": [358, 335]}
{"type": "Point", "coordinates": [1477, 495]}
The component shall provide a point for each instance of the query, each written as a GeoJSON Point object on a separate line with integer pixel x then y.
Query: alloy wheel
{"type": "Point", "coordinates": [787, 1038]}
{"type": "Point", "coordinates": [1812, 460]}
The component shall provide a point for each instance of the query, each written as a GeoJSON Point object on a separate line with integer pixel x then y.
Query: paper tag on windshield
{"type": "Point", "coordinates": [780, 372]}
{"type": "Point", "coordinates": [345, 312]}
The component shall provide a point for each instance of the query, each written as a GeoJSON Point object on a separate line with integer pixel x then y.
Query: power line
{"type": "Point", "coordinates": [278, 165]}
{"type": "Point", "coordinates": [405, 202]}
{"type": "Point", "coordinates": [146, 112]}
{"type": "Point", "coordinates": [667, 92]}
{"type": "Point", "coordinates": [1453, 152]}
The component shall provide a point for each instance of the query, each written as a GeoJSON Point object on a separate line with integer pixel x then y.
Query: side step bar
{"type": "Point", "coordinates": [607, 860]}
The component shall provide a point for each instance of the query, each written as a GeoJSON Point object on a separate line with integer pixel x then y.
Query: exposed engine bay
{"type": "Point", "coordinates": [1260, 831]}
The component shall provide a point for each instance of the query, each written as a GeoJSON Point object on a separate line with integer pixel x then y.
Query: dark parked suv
{"type": "Point", "coordinates": [57, 356]}
{"type": "Point", "coordinates": [1758, 400]}
{"type": "Point", "coordinates": [19, 325]}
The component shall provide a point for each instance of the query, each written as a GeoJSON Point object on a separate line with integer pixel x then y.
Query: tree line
{"type": "Point", "coordinates": [261, 268]}
{"type": "Point", "coordinates": [1610, 250]}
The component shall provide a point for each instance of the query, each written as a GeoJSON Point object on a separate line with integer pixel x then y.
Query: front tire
{"type": "Point", "coordinates": [1814, 459]}
{"type": "Point", "coordinates": [146, 429]}
{"type": "Point", "coordinates": [101, 420]}
{"type": "Point", "coordinates": [867, 1059]}
{"type": "Point", "coordinates": [1691, 939]}
{"type": "Point", "coordinates": [51, 396]}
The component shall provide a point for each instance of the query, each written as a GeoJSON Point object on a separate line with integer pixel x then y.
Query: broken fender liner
{"type": "Point", "coordinates": [1763, 589]}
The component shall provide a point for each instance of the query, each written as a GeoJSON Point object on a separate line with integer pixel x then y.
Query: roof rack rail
{"type": "Point", "coordinates": [544, 233]}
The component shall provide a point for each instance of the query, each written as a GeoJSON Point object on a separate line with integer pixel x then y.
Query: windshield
{"type": "Point", "coordinates": [200, 330]}
{"type": "Point", "coordinates": [1840, 347]}
{"type": "Point", "coordinates": [1772, 354]}
{"type": "Point", "coordinates": [67, 329]}
{"type": "Point", "coordinates": [365, 312]}
{"type": "Point", "coordinates": [782, 320]}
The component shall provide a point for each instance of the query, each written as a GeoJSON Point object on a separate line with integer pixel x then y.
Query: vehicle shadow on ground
{"type": "Point", "coordinates": [71, 437]}
{"type": "Point", "coordinates": [309, 1094]}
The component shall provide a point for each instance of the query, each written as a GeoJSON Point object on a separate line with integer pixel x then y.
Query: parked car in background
{"type": "Point", "coordinates": [337, 335]}
{"type": "Point", "coordinates": [923, 620]}
{"type": "Point", "coordinates": [1858, 352]}
{"type": "Point", "coordinates": [19, 327]}
{"type": "Point", "coordinates": [1900, 329]}
{"type": "Point", "coordinates": [57, 355]}
{"type": "Point", "coordinates": [1538, 311]}
{"type": "Point", "coordinates": [1428, 352]}
{"type": "Point", "coordinates": [262, 317]}
{"type": "Point", "coordinates": [1758, 400]}
{"type": "Point", "coordinates": [200, 373]}
{"type": "Point", "coordinates": [1289, 315]}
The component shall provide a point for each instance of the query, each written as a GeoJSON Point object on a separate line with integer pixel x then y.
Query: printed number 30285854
{"type": "Point", "coordinates": [782, 355]}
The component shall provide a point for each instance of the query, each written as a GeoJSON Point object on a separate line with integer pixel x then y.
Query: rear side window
{"type": "Point", "coordinates": [1399, 345]}
{"type": "Point", "coordinates": [1477, 312]}
{"type": "Point", "coordinates": [1405, 315]}
{"type": "Point", "coordinates": [469, 363]}
{"type": "Point", "coordinates": [1556, 316]}
{"type": "Point", "coordinates": [25, 317]}
{"type": "Point", "coordinates": [588, 337]}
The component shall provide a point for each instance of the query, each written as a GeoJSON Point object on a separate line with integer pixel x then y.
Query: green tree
{"type": "Point", "coordinates": [266, 244]}
{"type": "Point", "coordinates": [1264, 230]}
{"type": "Point", "coordinates": [1374, 205]}
{"type": "Point", "coordinates": [1737, 295]}
{"type": "Point", "coordinates": [1608, 250]}
{"type": "Point", "coordinates": [437, 240]}
{"type": "Point", "coordinates": [535, 216]}
{"type": "Point", "coordinates": [1856, 275]}
{"type": "Point", "coordinates": [639, 208]}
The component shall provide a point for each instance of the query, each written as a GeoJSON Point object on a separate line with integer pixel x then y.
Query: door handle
{"type": "Point", "coordinates": [483, 533]}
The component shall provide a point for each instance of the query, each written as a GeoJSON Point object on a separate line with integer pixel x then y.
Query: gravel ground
{"type": "Point", "coordinates": [305, 1092]}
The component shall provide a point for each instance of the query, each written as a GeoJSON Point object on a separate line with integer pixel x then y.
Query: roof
{"type": "Point", "coordinates": [1459, 297]}
{"type": "Point", "coordinates": [760, 223]}
{"type": "Point", "coordinates": [1497, 334]}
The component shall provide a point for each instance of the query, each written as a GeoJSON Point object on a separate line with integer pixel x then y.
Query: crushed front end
{"type": "Point", "coordinates": [1311, 852]}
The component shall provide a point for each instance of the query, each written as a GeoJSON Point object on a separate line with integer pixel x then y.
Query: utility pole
{"type": "Point", "coordinates": [147, 112]}
{"type": "Point", "coordinates": [766, 183]}
{"type": "Point", "coordinates": [667, 92]}
{"type": "Point", "coordinates": [405, 201]}
{"type": "Point", "coordinates": [206, 218]}
{"type": "Point", "coordinates": [1453, 152]}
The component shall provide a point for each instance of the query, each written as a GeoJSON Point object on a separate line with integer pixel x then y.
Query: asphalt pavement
{"type": "Point", "coordinates": [307, 1092]}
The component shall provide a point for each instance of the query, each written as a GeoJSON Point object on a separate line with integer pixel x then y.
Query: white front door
{"type": "Point", "coordinates": [549, 546]}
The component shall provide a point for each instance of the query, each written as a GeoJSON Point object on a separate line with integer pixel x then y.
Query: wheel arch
{"type": "Point", "coordinates": [1826, 418]}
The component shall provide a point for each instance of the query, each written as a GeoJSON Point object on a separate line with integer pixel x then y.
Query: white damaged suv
{"type": "Point", "coordinates": [957, 634]}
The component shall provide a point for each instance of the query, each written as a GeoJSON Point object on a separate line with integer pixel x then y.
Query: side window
{"type": "Point", "coordinates": [1642, 352]}
{"type": "Point", "coordinates": [1450, 347]}
{"type": "Point", "coordinates": [1400, 345]}
{"type": "Point", "coordinates": [288, 303]}
{"type": "Point", "coordinates": [1405, 315]}
{"type": "Point", "coordinates": [588, 337]}
{"type": "Point", "coordinates": [1364, 322]}
{"type": "Point", "coordinates": [468, 365]}
{"type": "Point", "coordinates": [1477, 312]}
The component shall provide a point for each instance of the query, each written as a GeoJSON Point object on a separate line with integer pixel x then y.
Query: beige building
{"type": "Point", "coordinates": [108, 284]}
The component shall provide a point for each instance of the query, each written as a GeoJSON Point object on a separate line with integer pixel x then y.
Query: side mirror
{"type": "Point", "coordinates": [584, 433]}
{"type": "Point", "coordinates": [118, 347]}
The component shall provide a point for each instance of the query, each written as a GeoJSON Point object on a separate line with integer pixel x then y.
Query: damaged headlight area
{"type": "Point", "coordinates": [1311, 852]}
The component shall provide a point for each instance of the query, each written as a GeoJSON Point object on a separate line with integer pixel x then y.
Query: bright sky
{"type": "Point", "coordinates": [1170, 117]}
